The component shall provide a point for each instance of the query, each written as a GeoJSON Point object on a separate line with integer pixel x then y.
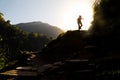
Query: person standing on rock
{"type": "Point", "coordinates": [79, 22]}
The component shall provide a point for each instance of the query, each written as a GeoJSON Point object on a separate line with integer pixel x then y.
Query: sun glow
{"type": "Point", "coordinates": [73, 13]}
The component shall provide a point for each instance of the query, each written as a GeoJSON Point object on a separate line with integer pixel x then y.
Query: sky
{"type": "Point", "coordinates": [60, 13]}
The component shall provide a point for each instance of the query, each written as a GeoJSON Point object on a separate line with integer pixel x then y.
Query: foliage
{"type": "Point", "coordinates": [13, 41]}
{"type": "Point", "coordinates": [1, 17]}
{"type": "Point", "coordinates": [106, 16]}
{"type": "Point", "coordinates": [34, 42]}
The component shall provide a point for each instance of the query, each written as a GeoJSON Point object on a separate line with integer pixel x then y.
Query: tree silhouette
{"type": "Point", "coordinates": [1, 17]}
{"type": "Point", "coordinates": [1, 14]}
{"type": "Point", "coordinates": [106, 16]}
{"type": "Point", "coordinates": [106, 26]}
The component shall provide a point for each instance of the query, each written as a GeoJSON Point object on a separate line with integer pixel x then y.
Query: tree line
{"type": "Point", "coordinates": [14, 42]}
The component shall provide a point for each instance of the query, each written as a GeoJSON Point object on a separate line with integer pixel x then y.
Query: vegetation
{"type": "Point", "coordinates": [106, 26]}
{"type": "Point", "coordinates": [14, 41]}
{"type": "Point", "coordinates": [106, 16]}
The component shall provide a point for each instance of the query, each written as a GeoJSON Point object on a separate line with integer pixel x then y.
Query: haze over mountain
{"type": "Point", "coordinates": [41, 28]}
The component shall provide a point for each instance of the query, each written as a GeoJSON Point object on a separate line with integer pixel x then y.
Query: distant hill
{"type": "Point", "coordinates": [41, 28]}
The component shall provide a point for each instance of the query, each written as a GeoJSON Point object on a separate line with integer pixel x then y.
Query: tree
{"type": "Point", "coordinates": [1, 17]}
{"type": "Point", "coordinates": [14, 41]}
{"type": "Point", "coordinates": [106, 16]}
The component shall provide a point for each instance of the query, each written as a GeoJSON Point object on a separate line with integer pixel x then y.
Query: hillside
{"type": "Point", "coordinates": [80, 45]}
{"type": "Point", "coordinates": [67, 45]}
{"type": "Point", "coordinates": [41, 28]}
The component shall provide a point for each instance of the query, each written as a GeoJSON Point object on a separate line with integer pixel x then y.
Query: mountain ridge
{"type": "Point", "coordinates": [41, 28]}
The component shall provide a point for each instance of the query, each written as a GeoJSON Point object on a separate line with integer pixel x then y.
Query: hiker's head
{"type": "Point", "coordinates": [80, 16]}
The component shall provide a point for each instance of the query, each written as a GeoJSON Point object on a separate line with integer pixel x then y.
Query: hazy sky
{"type": "Point", "coordinates": [60, 13]}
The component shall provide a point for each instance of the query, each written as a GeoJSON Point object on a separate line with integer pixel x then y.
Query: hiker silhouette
{"type": "Point", "coordinates": [79, 22]}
